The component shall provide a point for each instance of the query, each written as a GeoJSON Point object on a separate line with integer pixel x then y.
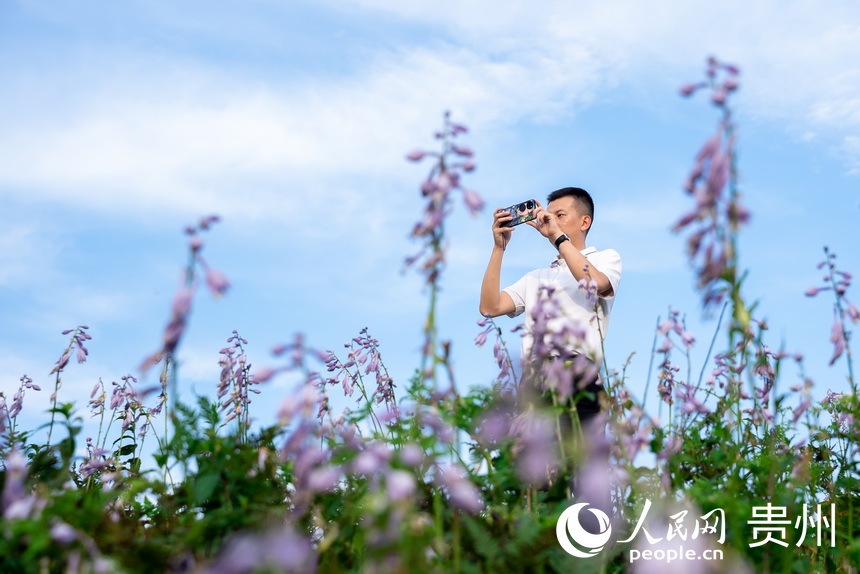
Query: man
{"type": "Point", "coordinates": [576, 332]}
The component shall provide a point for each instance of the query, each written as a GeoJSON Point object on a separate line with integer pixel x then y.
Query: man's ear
{"type": "Point", "coordinates": [586, 223]}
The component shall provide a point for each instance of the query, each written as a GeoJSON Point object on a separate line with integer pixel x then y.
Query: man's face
{"type": "Point", "coordinates": [570, 220]}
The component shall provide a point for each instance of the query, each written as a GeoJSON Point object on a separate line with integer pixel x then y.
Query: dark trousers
{"type": "Point", "coordinates": [574, 415]}
{"type": "Point", "coordinates": [583, 403]}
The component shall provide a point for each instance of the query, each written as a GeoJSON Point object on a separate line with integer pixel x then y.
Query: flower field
{"type": "Point", "coordinates": [743, 470]}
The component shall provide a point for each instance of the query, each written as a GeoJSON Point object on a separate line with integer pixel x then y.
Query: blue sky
{"type": "Point", "coordinates": [123, 122]}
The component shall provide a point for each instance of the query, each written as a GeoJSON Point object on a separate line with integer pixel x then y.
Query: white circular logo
{"type": "Point", "coordinates": [568, 524]}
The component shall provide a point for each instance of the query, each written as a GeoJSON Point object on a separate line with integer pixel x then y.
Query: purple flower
{"type": "Point", "coordinates": [17, 404]}
{"type": "Point", "coordinates": [13, 489]}
{"type": "Point", "coordinates": [264, 374]}
{"type": "Point", "coordinates": [443, 431]}
{"type": "Point", "coordinates": [689, 89]}
{"type": "Point", "coordinates": [474, 202]}
{"type": "Point", "coordinates": [61, 362]}
{"type": "Point", "coordinates": [63, 534]}
{"type": "Point", "coordinates": [481, 338]}
{"type": "Point", "coordinates": [444, 176]}
{"type": "Point", "coordinates": [853, 312]}
{"type": "Point", "coordinates": [837, 337]}
{"type": "Point", "coordinates": [400, 485]}
{"type": "Point", "coordinates": [801, 408]}
{"type": "Point", "coordinates": [323, 479]}
{"type": "Point", "coordinates": [217, 282]}
{"type": "Point", "coordinates": [688, 339]}
{"type": "Point", "coordinates": [411, 454]}
{"type": "Point", "coordinates": [672, 447]}
{"type": "Point", "coordinates": [493, 427]}
{"type": "Point", "coordinates": [367, 463]}
{"type": "Point", "coordinates": [179, 311]}
{"type": "Point", "coordinates": [592, 483]}
{"type": "Point", "coordinates": [461, 491]}
{"type": "Point", "coordinates": [208, 220]}
{"type": "Point", "coordinates": [535, 447]}
{"type": "Point", "coordinates": [281, 550]}
{"type": "Point", "coordinates": [731, 69]}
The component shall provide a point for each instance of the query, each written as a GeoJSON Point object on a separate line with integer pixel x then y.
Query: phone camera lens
{"type": "Point", "coordinates": [530, 204]}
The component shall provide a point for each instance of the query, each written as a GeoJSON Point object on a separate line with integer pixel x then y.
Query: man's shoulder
{"type": "Point", "coordinates": [602, 254]}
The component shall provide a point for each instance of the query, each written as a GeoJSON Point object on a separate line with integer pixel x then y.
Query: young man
{"type": "Point", "coordinates": [565, 224]}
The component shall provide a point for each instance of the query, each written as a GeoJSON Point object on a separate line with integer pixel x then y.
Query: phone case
{"type": "Point", "coordinates": [522, 212]}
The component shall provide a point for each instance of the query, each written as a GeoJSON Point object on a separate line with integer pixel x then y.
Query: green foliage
{"type": "Point", "coordinates": [436, 480]}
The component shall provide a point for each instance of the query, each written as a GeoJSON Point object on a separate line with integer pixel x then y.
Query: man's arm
{"type": "Point", "coordinates": [495, 302]}
{"type": "Point", "coordinates": [547, 224]}
{"type": "Point", "coordinates": [576, 262]}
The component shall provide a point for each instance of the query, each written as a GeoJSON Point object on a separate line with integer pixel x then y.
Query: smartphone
{"type": "Point", "coordinates": [521, 212]}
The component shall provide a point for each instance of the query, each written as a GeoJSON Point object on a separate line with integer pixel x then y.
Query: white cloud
{"type": "Point", "coordinates": [26, 256]}
{"type": "Point", "coordinates": [177, 137]}
{"type": "Point", "coordinates": [181, 135]}
{"type": "Point", "coordinates": [796, 58]}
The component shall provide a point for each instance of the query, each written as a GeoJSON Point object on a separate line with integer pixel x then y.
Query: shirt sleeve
{"type": "Point", "coordinates": [517, 292]}
{"type": "Point", "coordinates": [609, 263]}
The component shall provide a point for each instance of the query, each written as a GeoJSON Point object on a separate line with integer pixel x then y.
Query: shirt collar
{"type": "Point", "coordinates": [559, 260]}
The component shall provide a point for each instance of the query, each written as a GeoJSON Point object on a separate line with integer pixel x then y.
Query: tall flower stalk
{"type": "Point", "coordinates": [444, 178]}
{"type": "Point", "coordinates": [718, 215]}
{"type": "Point", "coordinates": [79, 335]}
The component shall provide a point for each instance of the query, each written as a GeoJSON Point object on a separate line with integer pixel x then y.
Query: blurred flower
{"type": "Point", "coordinates": [689, 89]}
{"type": "Point", "coordinates": [853, 312]}
{"type": "Point", "coordinates": [400, 484]}
{"type": "Point", "coordinates": [461, 490]}
{"type": "Point", "coordinates": [474, 202]}
{"type": "Point", "coordinates": [801, 409]}
{"type": "Point", "coordinates": [63, 534]}
{"type": "Point", "coordinates": [15, 464]}
{"type": "Point", "coordinates": [709, 246]}
{"type": "Point", "coordinates": [592, 483]}
{"type": "Point", "coordinates": [323, 479]}
{"type": "Point", "coordinates": [371, 460]}
{"type": "Point", "coordinates": [837, 337]}
{"type": "Point", "coordinates": [442, 430]}
{"type": "Point", "coordinates": [535, 449]}
{"type": "Point", "coordinates": [283, 550]}
{"type": "Point", "coordinates": [217, 282]}
{"type": "Point", "coordinates": [411, 454]}
{"type": "Point", "coordinates": [444, 177]}
{"type": "Point", "coordinates": [493, 427]}
{"type": "Point", "coordinates": [181, 306]}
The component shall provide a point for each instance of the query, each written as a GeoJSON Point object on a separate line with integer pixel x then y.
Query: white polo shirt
{"type": "Point", "coordinates": [575, 309]}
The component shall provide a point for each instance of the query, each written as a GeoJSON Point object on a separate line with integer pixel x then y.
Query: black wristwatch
{"type": "Point", "coordinates": [561, 239]}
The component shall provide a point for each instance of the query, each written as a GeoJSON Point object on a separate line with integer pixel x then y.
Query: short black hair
{"type": "Point", "coordinates": [582, 198]}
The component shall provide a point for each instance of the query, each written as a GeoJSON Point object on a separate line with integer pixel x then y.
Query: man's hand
{"type": "Point", "coordinates": [502, 234]}
{"type": "Point", "coordinates": [546, 223]}
{"type": "Point", "coordinates": [494, 302]}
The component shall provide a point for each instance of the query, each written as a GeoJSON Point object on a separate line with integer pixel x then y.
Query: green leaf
{"type": "Point", "coordinates": [204, 486]}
